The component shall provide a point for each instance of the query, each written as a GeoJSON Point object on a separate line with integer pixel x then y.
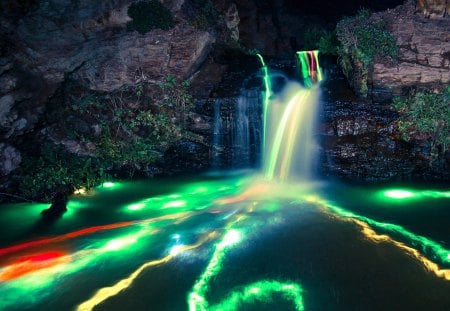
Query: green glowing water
{"type": "Point", "coordinates": [233, 243]}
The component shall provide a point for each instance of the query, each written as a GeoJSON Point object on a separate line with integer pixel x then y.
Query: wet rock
{"type": "Point", "coordinates": [360, 142]}
{"type": "Point", "coordinates": [433, 8]}
{"type": "Point", "coordinates": [6, 103]}
{"type": "Point", "coordinates": [232, 21]}
{"type": "Point", "coordinates": [57, 208]}
{"type": "Point", "coordinates": [10, 159]}
{"type": "Point", "coordinates": [186, 156]}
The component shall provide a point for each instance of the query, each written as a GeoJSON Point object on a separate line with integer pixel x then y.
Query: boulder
{"type": "Point", "coordinates": [10, 159]}
{"type": "Point", "coordinates": [434, 8]}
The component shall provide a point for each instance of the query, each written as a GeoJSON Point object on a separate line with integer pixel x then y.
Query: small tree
{"type": "Point", "coordinates": [427, 115]}
{"type": "Point", "coordinates": [362, 38]}
{"type": "Point", "coordinates": [149, 15]}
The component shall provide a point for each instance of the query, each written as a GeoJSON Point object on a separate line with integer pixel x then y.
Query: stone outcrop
{"type": "Point", "coordinates": [434, 8]}
{"type": "Point", "coordinates": [88, 40]}
{"type": "Point", "coordinates": [45, 42]}
{"type": "Point", "coordinates": [360, 142]}
{"type": "Point", "coordinates": [424, 54]}
{"type": "Point", "coordinates": [10, 159]}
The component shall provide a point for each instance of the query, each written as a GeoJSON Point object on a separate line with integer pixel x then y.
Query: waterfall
{"type": "Point", "coordinates": [290, 147]}
{"type": "Point", "coordinates": [289, 119]}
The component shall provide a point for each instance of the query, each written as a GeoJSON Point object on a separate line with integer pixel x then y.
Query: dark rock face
{"type": "Point", "coordinates": [360, 142]}
{"type": "Point", "coordinates": [47, 43]}
{"type": "Point", "coordinates": [9, 159]}
{"type": "Point", "coordinates": [87, 40]}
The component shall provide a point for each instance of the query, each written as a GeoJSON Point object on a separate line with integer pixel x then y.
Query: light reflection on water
{"type": "Point", "coordinates": [229, 241]}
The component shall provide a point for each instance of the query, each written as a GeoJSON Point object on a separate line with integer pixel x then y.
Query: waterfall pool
{"type": "Point", "coordinates": [230, 242]}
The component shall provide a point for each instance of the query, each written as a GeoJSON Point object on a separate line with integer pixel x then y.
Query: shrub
{"type": "Point", "coordinates": [428, 115]}
{"type": "Point", "coordinates": [362, 38]}
{"type": "Point", "coordinates": [54, 167]}
{"type": "Point", "coordinates": [205, 14]}
{"type": "Point", "coordinates": [128, 129]}
{"type": "Point", "coordinates": [149, 15]}
{"type": "Point", "coordinates": [320, 39]}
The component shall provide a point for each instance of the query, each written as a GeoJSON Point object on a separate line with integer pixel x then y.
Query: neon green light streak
{"type": "Point", "coordinates": [196, 298]}
{"type": "Point", "coordinates": [409, 194]}
{"type": "Point", "coordinates": [304, 67]}
{"type": "Point", "coordinates": [427, 246]}
{"type": "Point", "coordinates": [258, 291]}
{"type": "Point", "coordinates": [110, 185]}
{"type": "Point", "coordinates": [275, 148]}
{"type": "Point", "coordinates": [267, 95]}
{"type": "Point", "coordinates": [309, 66]}
{"type": "Point", "coordinates": [262, 291]}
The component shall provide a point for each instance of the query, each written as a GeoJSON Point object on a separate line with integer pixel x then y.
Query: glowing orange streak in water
{"type": "Point", "coordinates": [253, 191]}
{"type": "Point", "coordinates": [31, 263]}
{"type": "Point", "coordinates": [82, 232]}
{"type": "Point", "coordinates": [108, 292]}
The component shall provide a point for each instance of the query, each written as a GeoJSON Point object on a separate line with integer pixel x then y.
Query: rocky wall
{"type": "Point", "coordinates": [424, 54]}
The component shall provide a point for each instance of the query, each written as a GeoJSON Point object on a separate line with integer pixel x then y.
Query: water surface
{"type": "Point", "coordinates": [230, 242]}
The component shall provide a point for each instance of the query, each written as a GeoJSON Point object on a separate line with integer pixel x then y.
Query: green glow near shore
{"type": "Point", "coordinates": [267, 95]}
{"type": "Point", "coordinates": [401, 194]}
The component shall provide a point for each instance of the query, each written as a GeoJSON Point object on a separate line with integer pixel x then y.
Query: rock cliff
{"type": "Point", "coordinates": [86, 39]}
{"type": "Point", "coordinates": [45, 42]}
{"type": "Point", "coordinates": [424, 51]}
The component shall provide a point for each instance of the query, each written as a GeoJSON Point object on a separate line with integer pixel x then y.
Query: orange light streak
{"type": "Point", "coordinates": [86, 231]}
{"type": "Point", "coordinates": [32, 263]}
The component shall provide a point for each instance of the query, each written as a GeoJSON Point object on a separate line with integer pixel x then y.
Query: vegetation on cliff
{"type": "Point", "coordinates": [95, 135]}
{"type": "Point", "coordinates": [317, 38]}
{"type": "Point", "coordinates": [426, 116]}
{"type": "Point", "coordinates": [362, 38]}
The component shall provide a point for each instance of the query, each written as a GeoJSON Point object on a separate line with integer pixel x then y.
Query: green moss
{"type": "Point", "coordinates": [427, 115]}
{"type": "Point", "coordinates": [149, 15]}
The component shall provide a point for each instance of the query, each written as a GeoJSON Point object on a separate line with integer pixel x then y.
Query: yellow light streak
{"type": "Point", "coordinates": [107, 292]}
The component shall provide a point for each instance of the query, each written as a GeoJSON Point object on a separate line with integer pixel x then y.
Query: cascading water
{"type": "Point", "coordinates": [289, 120]}
{"type": "Point", "coordinates": [245, 134]}
{"type": "Point", "coordinates": [237, 130]}
{"type": "Point", "coordinates": [217, 139]}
